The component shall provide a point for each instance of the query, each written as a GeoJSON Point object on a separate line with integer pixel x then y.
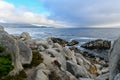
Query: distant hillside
{"type": "Point", "coordinates": [22, 25]}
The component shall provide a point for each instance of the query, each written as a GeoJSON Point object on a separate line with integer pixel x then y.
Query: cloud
{"type": "Point", "coordinates": [9, 13]}
{"type": "Point", "coordinates": [66, 13]}
{"type": "Point", "coordinates": [84, 13]}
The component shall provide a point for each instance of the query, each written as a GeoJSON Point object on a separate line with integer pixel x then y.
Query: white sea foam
{"type": "Point", "coordinates": [87, 38]}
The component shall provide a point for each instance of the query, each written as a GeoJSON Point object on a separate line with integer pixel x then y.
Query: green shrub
{"type": "Point", "coordinates": [5, 65]}
{"type": "Point", "coordinates": [21, 76]}
{"type": "Point", "coordinates": [1, 48]}
{"type": "Point", "coordinates": [36, 60]}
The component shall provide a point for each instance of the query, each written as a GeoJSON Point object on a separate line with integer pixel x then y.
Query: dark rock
{"type": "Point", "coordinates": [73, 42]}
{"type": "Point", "coordinates": [59, 41]}
{"type": "Point", "coordinates": [97, 44]}
{"type": "Point", "coordinates": [76, 50]}
{"type": "Point", "coordinates": [102, 54]}
{"type": "Point", "coordinates": [117, 77]}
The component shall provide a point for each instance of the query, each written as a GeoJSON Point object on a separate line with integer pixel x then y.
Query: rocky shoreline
{"type": "Point", "coordinates": [52, 59]}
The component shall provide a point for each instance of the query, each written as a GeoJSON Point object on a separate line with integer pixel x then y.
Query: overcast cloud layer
{"type": "Point", "coordinates": [81, 13]}
{"type": "Point", "coordinates": [66, 13]}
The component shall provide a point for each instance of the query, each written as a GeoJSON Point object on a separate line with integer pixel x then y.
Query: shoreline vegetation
{"type": "Point", "coordinates": [57, 59]}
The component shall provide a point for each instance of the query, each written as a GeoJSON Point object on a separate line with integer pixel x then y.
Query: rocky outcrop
{"type": "Point", "coordinates": [65, 64]}
{"type": "Point", "coordinates": [39, 44]}
{"type": "Point", "coordinates": [97, 48]}
{"type": "Point", "coordinates": [11, 47]}
{"type": "Point", "coordinates": [25, 36]}
{"type": "Point", "coordinates": [72, 43]}
{"type": "Point", "coordinates": [25, 52]}
{"type": "Point", "coordinates": [53, 53]}
{"type": "Point", "coordinates": [102, 54]}
{"type": "Point", "coordinates": [41, 73]}
{"type": "Point", "coordinates": [54, 64]}
{"type": "Point", "coordinates": [19, 51]}
{"type": "Point", "coordinates": [115, 60]}
{"type": "Point", "coordinates": [77, 70]}
{"type": "Point", "coordinates": [59, 61]}
{"type": "Point", "coordinates": [103, 77]}
{"type": "Point", "coordinates": [70, 54]}
{"type": "Point", "coordinates": [97, 44]}
{"type": "Point", "coordinates": [59, 41]}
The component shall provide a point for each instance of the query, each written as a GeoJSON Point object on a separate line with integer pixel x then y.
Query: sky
{"type": "Point", "coordinates": [62, 13]}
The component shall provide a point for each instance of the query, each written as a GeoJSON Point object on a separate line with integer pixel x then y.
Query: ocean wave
{"type": "Point", "coordinates": [87, 38]}
{"type": "Point", "coordinates": [83, 38]}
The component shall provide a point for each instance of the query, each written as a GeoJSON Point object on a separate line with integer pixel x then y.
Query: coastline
{"type": "Point", "coordinates": [59, 59]}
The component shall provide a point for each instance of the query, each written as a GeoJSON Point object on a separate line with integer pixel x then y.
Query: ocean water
{"type": "Point", "coordinates": [80, 34]}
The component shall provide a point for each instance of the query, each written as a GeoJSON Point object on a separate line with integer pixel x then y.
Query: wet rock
{"type": "Point", "coordinates": [73, 42]}
{"type": "Point", "coordinates": [101, 54]}
{"type": "Point", "coordinates": [59, 41]}
{"type": "Point", "coordinates": [97, 44]}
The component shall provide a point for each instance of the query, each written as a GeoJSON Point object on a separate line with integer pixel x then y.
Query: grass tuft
{"type": "Point", "coordinates": [36, 60]}
{"type": "Point", "coordinates": [21, 76]}
{"type": "Point", "coordinates": [1, 48]}
{"type": "Point", "coordinates": [5, 65]}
